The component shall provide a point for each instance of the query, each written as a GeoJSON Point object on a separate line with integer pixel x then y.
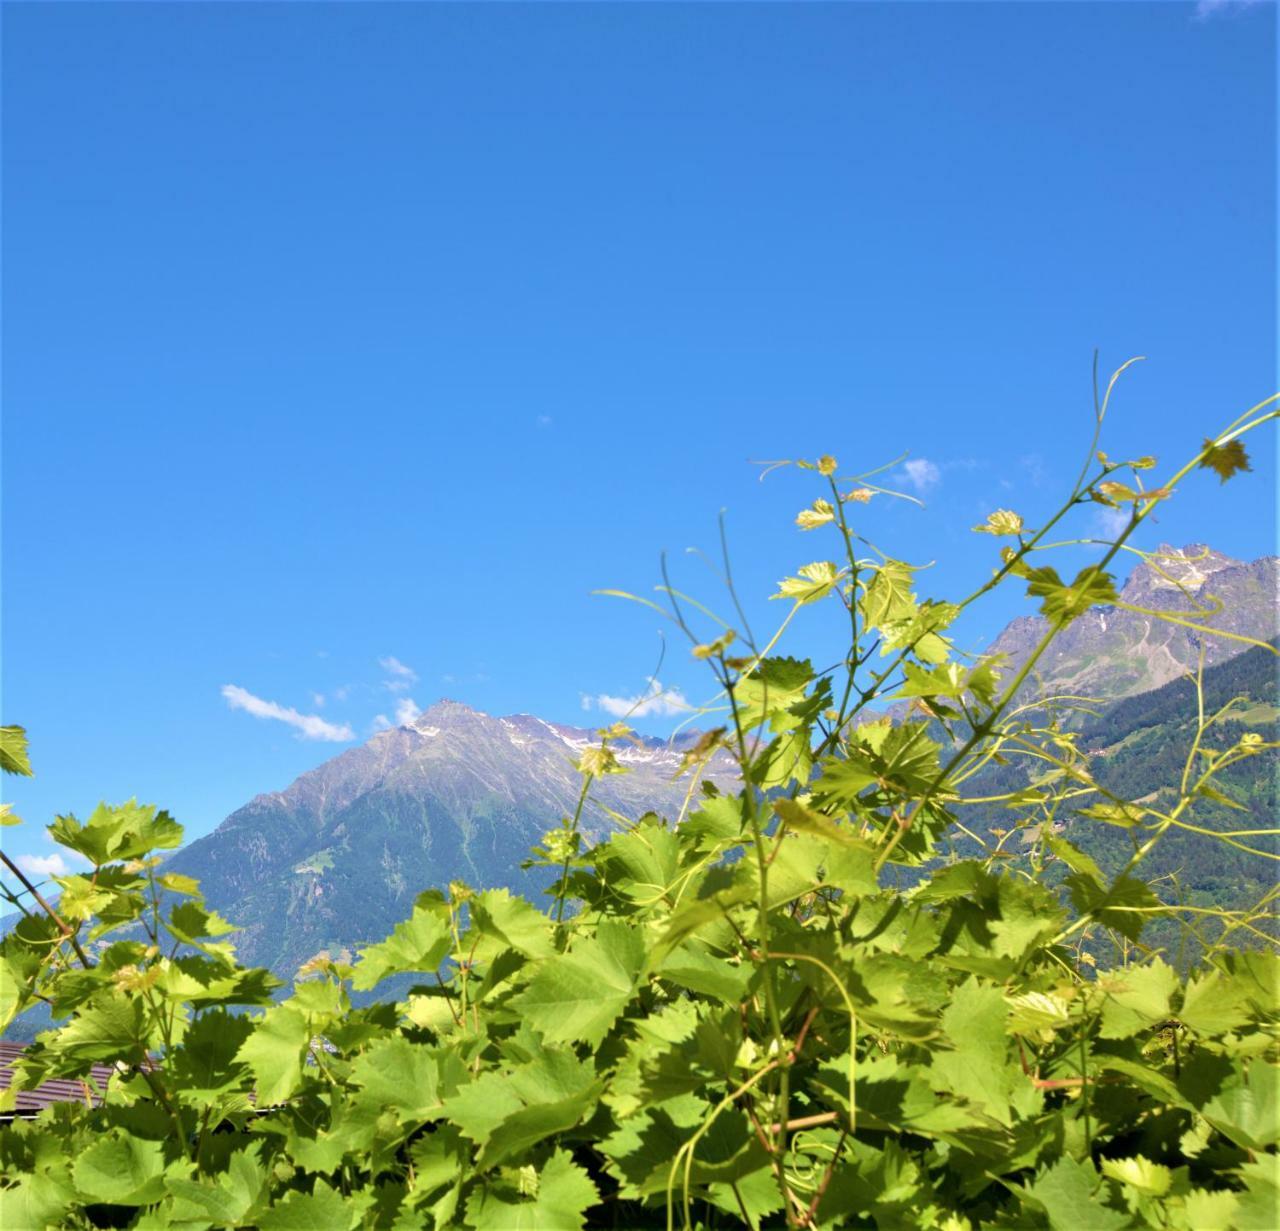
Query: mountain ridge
{"type": "Point", "coordinates": [1112, 652]}
{"type": "Point", "coordinates": [336, 858]}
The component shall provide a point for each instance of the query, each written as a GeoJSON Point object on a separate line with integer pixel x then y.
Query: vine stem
{"type": "Point", "coordinates": [692, 1144]}
{"type": "Point", "coordinates": [853, 1026]}
{"type": "Point", "coordinates": [67, 932]}
{"type": "Point", "coordinates": [770, 979]}
{"type": "Point", "coordinates": [976, 736]}
{"type": "Point", "coordinates": [751, 808]}
{"type": "Point", "coordinates": [827, 1175]}
{"type": "Point", "coordinates": [587, 780]}
{"type": "Point", "coordinates": [1241, 425]}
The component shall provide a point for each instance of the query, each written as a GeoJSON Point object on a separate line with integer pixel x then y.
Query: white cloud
{"type": "Point", "coordinates": [43, 865]}
{"type": "Point", "coordinates": [402, 676]}
{"type": "Point", "coordinates": [406, 711]}
{"type": "Point", "coordinates": [654, 700]}
{"type": "Point", "coordinates": [393, 666]}
{"type": "Point", "coordinates": [382, 723]}
{"type": "Point", "coordinates": [921, 473]}
{"type": "Point", "coordinates": [1110, 522]}
{"type": "Point", "coordinates": [1210, 8]}
{"type": "Point", "coordinates": [309, 726]}
{"type": "Point", "coordinates": [317, 699]}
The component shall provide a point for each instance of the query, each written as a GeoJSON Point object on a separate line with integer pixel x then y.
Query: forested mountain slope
{"type": "Point", "coordinates": [337, 858]}
{"type": "Point", "coordinates": [1139, 747]}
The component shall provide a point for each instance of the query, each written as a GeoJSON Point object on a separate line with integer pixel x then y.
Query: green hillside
{"type": "Point", "coordinates": [1139, 747]}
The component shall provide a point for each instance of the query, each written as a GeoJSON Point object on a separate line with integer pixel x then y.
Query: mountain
{"type": "Point", "coordinates": [337, 858]}
{"type": "Point", "coordinates": [1110, 652]}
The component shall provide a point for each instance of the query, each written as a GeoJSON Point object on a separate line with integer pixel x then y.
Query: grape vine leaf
{"type": "Point", "coordinates": [1225, 460]}
{"type": "Point", "coordinates": [1067, 1192]}
{"type": "Point", "coordinates": [14, 757]}
{"type": "Point", "coordinates": [419, 944]}
{"type": "Point", "coordinates": [563, 1195]}
{"type": "Point", "coordinates": [577, 996]}
{"type": "Point", "coordinates": [121, 1169]}
{"type": "Point", "coordinates": [322, 1209]}
{"type": "Point", "coordinates": [274, 1053]}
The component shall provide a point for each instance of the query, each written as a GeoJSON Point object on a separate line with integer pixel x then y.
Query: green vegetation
{"type": "Point", "coordinates": [796, 1007]}
{"type": "Point", "coordinates": [322, 861]}
{"type": "Point", "coordinates": [1137, 751]}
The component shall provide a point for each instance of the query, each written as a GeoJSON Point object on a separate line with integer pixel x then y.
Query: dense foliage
{"type": "Point", "coordinates": [786, 1006]}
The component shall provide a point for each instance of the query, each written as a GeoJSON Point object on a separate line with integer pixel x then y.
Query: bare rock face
{"type": "Point", "coordinates": [1111, 652]}
{"type": "Point", "coordinates": [337, 858]}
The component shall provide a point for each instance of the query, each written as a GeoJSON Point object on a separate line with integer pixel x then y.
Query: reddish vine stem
{"type": "Point", "coordinates": [825, 1182]}
{"type": "Point", "coordinates": [825, 1117]}
{"type": "Point", "coordinates": [804, 1031]}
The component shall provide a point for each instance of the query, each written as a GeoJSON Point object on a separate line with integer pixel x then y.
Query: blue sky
{"type": "Point", "coordinates": [349, 347]}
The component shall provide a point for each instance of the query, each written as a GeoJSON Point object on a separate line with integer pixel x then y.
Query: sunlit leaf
{"type": "Point", "coordinates": [1002, 521]}
{"type": "Point", "coordinates": [1225, 460]}
{"type": "Point", "coordinates": [819, 513]}
{"type": "Point", "coordinates": [814, 581]}
{"type": "Point", "coordinates": [14, 758]}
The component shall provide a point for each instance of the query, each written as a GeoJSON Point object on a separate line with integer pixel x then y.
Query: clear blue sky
{"type": "Point", "coordinates": [335, 334]}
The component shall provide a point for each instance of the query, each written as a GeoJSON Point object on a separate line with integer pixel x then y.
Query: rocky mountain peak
{"type": "Point", "coordinates": [445, 710]}
{"type": "Point", "coordinates": [1111, 652]}
{"type": "Point", "coordinates": [1175, 568]}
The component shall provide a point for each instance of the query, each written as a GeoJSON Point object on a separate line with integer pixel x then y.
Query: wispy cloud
{"type": "Point", "coordinates": [402, 676]}
{"type": "Point", "coordinates": [43, 865]}
{"type": "Point", "coordinates": [308, 726]}
{"type": "Point", "coordinates": [1206, 9]}
{"type": "Point", "coordinates": [543, 420]}
{"type": "Point", "coordinates": [1033, 464]}
{"type": "Point", "coordinates": [407, 709]}
{"type": "Point", "coordinates": [920, 473]}
{"type": "Point", "coordinates": [1109, 522]}
{"type": "Point", "coordinates": [393, 666]}
{"type": "Point", "coordinates": [654, 700]}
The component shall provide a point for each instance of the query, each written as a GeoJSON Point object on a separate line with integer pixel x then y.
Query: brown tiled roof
{"type": "Point", "coordinates": [59, 1090]}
